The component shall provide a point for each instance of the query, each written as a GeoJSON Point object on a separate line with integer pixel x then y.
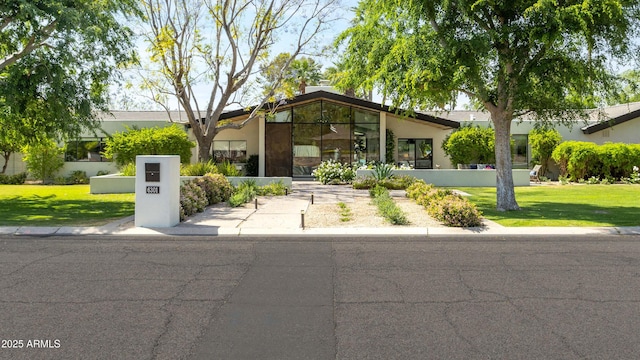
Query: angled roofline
{"type": "Point", "coordinates": [321, 94]}
{"type": "Point", "coordinates": [590, 129]}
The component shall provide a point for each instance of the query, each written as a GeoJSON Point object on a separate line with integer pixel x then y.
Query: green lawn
{"type": "Point", "coordinates": [564, 205]}
{"type": "Point", "coordinates": [44, 205]}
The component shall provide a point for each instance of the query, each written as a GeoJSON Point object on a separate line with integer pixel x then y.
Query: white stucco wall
{"type": "Point", "coordinates": [416, 129]}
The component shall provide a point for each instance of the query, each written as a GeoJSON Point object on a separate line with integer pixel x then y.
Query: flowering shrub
{"type": "Point", "coordinates": [192, 199]}
{"type": "Point", "coordinates": [453, 210]}
{"type": "Point", "coordinates": [216, 187]}
{"type": "Point", "coordinates": [634, 178]}
{"type": "Point", "coordinates": [445, 206]}
{"type": "Point", "coordinates": [332, 172]}
{"type": "Point", "coordinates": [394, 183]}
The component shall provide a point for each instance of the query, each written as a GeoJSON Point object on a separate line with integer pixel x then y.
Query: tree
{"type": "Point", "coordinates": [221, 43]}
{"type": "Point", "coordinates": [543, 141]}
{"type": "Point", "coordinates": [547, 59]}
{"type": "Point", "coordinates": [123, 147]}
{"type": "Point", "coordinates": [305, 71]}
{"type": "Point", "coordinates": [470, 145]}
{"type": "Point", "coordinates": [56, 59]}
{"type": "Point", "coordinates": [43, 159]}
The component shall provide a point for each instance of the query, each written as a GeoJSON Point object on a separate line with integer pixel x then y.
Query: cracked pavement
{"type": "Point", "coordinates": [475, 297]}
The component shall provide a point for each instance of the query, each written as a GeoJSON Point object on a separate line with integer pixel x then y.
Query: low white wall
{"type": "Point", "coordinates": [449, 177]}
{"type": "Point", "coordinates": [115, 184]}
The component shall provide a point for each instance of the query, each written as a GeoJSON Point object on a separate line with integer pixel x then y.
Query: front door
{"type": "Point", "coordinates": [278, 154]}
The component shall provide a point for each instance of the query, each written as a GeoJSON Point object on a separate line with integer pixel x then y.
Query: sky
{"type": "Point", "coordinates": [139, 99]}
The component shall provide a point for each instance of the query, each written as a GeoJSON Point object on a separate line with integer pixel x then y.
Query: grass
{"type": "Point", "coordinates": [564, 205]}
{"type": "Point", "coordinates": [73, 205]}
{"type": "Point", "coordinates": [345, 212]}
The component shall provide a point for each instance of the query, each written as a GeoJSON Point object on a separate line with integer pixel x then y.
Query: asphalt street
{"type": "Point", "coordinates": [412, 297]}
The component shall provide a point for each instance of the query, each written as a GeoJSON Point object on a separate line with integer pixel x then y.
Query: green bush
{"type": "Point", "coordinates": [123, 147]}
{"type": "Point", "coordinates": [78, 177]}
{"type": "Point", "coordinates": [470, 145]}
{"type": "Point", "coordinates": [192, 199]}
{"type": "Point", "coordinates": [382, 171]}
{"type": "Point", "coordinates": [198, 169]}
{"type": "Point", "coordinates": [272, 189]}
{"type": "Point", "coordinates": [331, 172]}
{"type": "Point", "coordinates": [394, 183]}
{"type": "Point", "coordinates": [16, 179]}
{"type": "Point", "coordinates": [43, 160]}
{"type": "Point", "coordinates": [228, 169]}
{"type": "Point", "coordinates": [243, 193]}
{"type": "Point", "coordinates": [579, 160]}
{"type": "Point", "coordinates": [453, 210]}
{"type": "Point", "coordinates": [386, 206]}
{"type": "Point", "coordinates": [390, 151]}
{"type": "Point", "coordinates": [102, 172]}
{"type": "Point", "coordinates": [252, 165]}
{"type": "Point", "coordinates": [543, 142]}
{"type": "Point", "coordinates": [128, 169]}
{"type": "Point", "coordinates": [216, 187]}
{"type": "Point", "coordinates": [366, 182]}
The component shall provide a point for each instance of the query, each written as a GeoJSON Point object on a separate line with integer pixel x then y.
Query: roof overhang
{"type": "Point", "coordinates": [590, 129]}
{"type": "Point", "coordinates": [365, 104]}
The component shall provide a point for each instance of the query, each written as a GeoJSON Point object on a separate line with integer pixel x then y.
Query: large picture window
{"type": "Point", "coordinates": [230, 150]}
{"type": "Point", "coordinates": [415, 153]}
{"type": "Point", "coordinates": [325, 130]}
{"type": "Point", "coordinates": [86, 149]}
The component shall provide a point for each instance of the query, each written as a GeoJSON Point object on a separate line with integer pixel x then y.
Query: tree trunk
{"type": "Point", "coordinates": [506, 196]}
{"type": "Point", "coordinates": [6, 161]}
{"type": "Point", "coordinates": [204, 148]}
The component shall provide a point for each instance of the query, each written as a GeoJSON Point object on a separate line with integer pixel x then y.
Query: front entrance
{"type": "Point", "coordinates": [278, 149]}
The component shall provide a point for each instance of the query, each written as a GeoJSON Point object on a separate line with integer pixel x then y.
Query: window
{"type": "Point", "coordinates": [519, 156]}
{"type": "Point", "coordinates": [230, 150]}
{"type": "Point", "coordinates": [87, 149]}
{"type": "Point", "coordinates": [417, 153]}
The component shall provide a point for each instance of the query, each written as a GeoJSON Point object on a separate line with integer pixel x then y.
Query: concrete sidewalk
{"type": "Point", "coordinates": [282, 215]}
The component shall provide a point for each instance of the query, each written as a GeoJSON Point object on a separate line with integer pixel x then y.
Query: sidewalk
{"type": "Point", "coordinates": [282, 216]}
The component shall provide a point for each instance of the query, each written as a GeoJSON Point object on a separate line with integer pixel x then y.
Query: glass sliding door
{"type": "Point", "coordinates": [415, 153]}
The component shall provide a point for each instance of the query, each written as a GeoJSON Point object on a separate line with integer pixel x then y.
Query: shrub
{"type": "Point", "coordinates": [582, 160]}
{"type": "Point", "coordinates": [198, 169]}
{"type": "Point", "coordinates": [543, 142]}
{"type": "Point", "coordinates": [332, 172]}
{"type": "Point", "coordinates": [470, 144]}
{"type": "Point", "coordinates": [244, 193]}
{"type": "Point", "coordinates": [390, 151]}
{"type": "Point", "coordinates": [123, 147]}
{"type": "Point", "coordinates": [44, 159]}
{"type": "Point", "coordinates": [192, 199]}
{"type": "Point", "coordinates": [102, 172]}
{"type": "Point", "coordinates": [252, 165]}
{"type": "Point", "coordinates": [387, 207]}
{"type": "Point", "coordinates": [16, 179]}
{"type": "Point", "coordinates": [272, 189]}
{"type": "Point", "coordinates": [364, 182]}
{"type": "Point", "coordinates": [128, 169]}
{"type": "Point", "coordinates": [216, 187]}
{"type": "Point", "coordinates": [78, 177]}
{"type": "Point", "coordinates": [226, 168]}
{"type": "Point", "coordinates": [452, 210]}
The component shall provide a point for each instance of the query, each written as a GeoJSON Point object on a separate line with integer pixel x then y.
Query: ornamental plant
{"type": "Point", "coordinates": [43, 159]}
{"type": "Point", "coordinates": [453, 210]}
{"type": "Point", "coordinates": [216, 187]}
{"type": "Point", "coordinates": [123, 147]}
{"type": "Point", "coordinates": [543, 142]}
{"type": "Point", "coordinates": [470, 145]}
{"type": "Point", "coordinates": [332, 172]}
{"type": "Point", "coordinates": [192, 199]}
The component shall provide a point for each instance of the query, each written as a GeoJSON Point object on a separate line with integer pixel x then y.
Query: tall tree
{"type": "Point", "coordinates": [221, 43]}
{"type": "Point", "coordinates": [544, 58]}
{"type": "Point", "coordinates": [305, 71]}
{"type": "Point", "coordinates": [56, 59]}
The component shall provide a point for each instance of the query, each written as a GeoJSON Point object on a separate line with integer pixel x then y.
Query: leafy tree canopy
{"type": "Point", "coordinates": [56, 59]}
{"type": "Point", "coordinates": [540, 57]}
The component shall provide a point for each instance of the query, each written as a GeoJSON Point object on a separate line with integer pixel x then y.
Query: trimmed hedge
{"type": "Point", "coordinates": [580, 160]}
{"type": "Point", "coordinates": [445, 206]}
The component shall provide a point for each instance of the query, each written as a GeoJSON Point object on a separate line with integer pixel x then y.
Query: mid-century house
{"type": "Point", "coordinates": [322, 124]}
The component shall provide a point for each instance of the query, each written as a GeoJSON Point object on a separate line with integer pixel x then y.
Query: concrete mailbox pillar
{"type": "Point", "coordinates": [157, 190]}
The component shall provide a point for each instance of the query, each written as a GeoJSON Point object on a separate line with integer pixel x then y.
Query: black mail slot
{"type": "Point", "coordinates": [152, 172]}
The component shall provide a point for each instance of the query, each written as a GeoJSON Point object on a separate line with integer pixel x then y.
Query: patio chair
{"type": "Point", "coordinates": [534, 174]}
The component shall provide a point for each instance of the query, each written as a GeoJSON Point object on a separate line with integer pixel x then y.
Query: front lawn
{"type": "Point", "coordinates": [44, 205]}
{"type": "Point", "coordinates": [564, 205]}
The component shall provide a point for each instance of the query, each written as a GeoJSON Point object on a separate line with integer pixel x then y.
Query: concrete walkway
{"type": "Point", "coordinates": [282, 215]}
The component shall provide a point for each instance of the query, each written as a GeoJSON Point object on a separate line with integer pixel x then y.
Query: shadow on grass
{"type": "Point", "coordinates": [564, 214]}
{"type": "Point", "coordinates": [52, 211]}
